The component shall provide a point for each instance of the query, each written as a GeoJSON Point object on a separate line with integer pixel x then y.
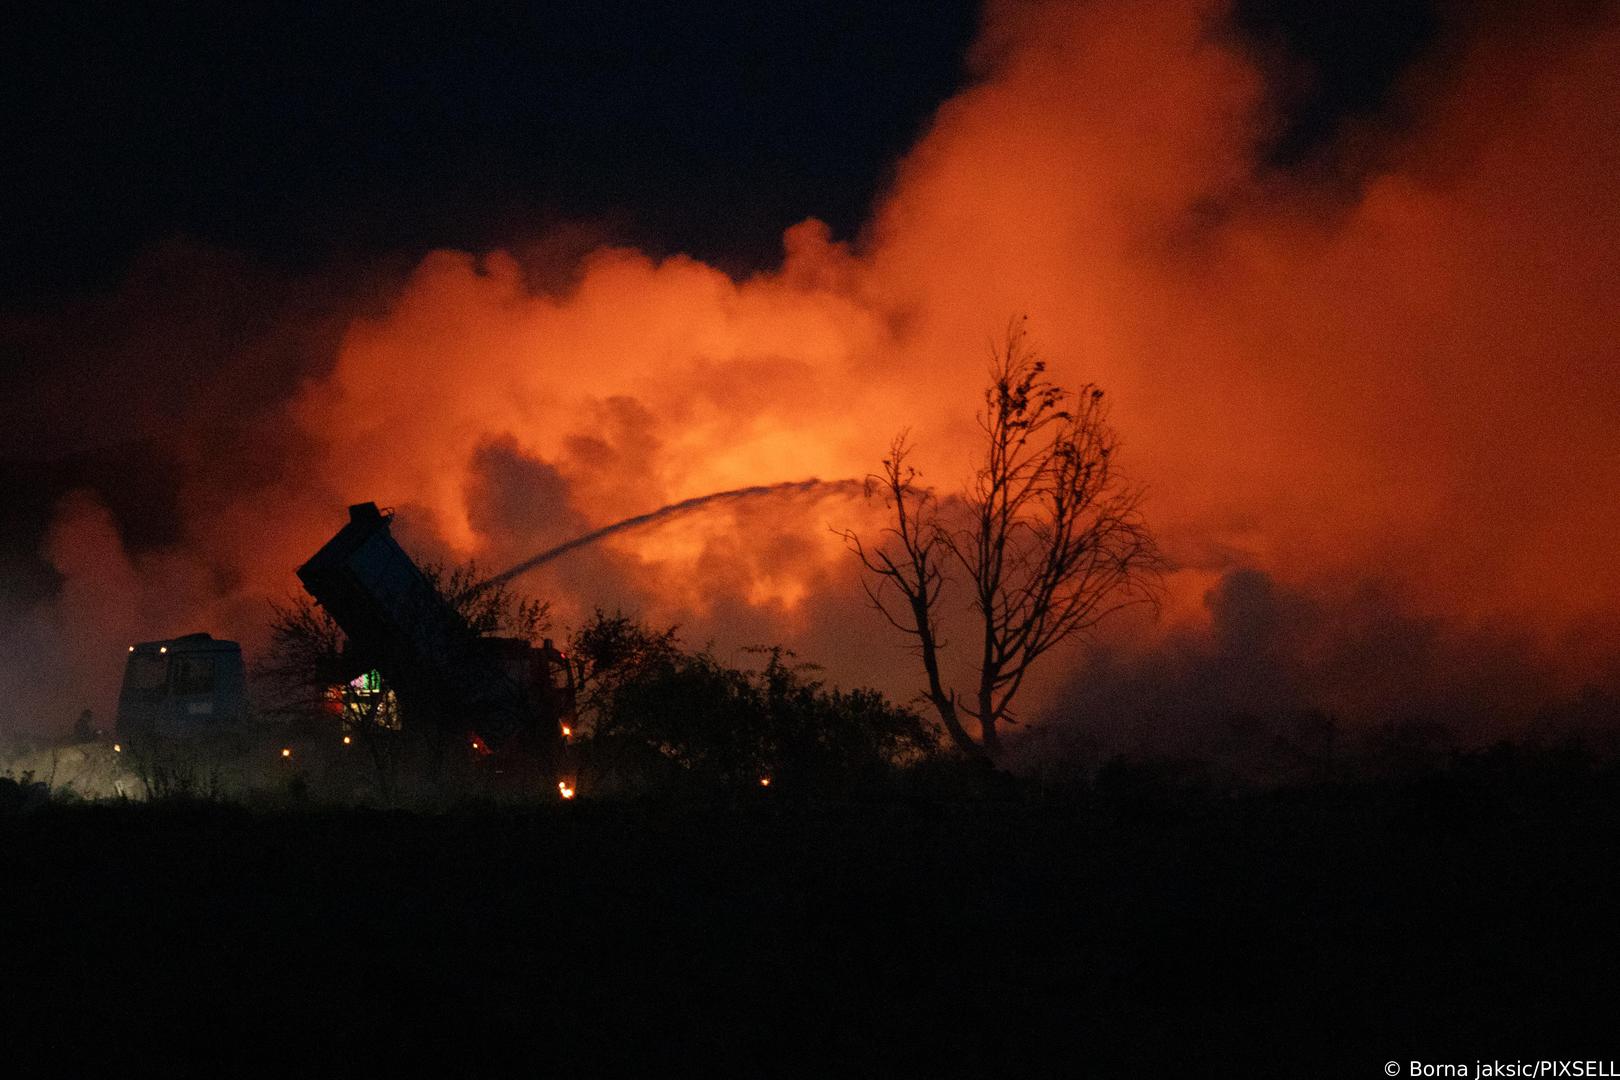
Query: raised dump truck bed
{"type": "Point", "coordinates": [444, 672]}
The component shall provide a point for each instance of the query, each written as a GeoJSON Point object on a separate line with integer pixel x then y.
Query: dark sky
{"type": "Point", "coordinates": [300, 135]}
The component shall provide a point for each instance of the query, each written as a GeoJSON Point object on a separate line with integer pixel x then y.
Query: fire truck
{"type": "Point", "coordinates": [181, 686]}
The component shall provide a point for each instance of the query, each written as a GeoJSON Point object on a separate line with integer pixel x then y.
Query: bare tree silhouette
{"type": "Point", "coordinates": [1048, 538]}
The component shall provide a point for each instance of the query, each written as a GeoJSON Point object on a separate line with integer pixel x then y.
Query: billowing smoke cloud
{"type": "Point", "coordinates": [1408, 393]}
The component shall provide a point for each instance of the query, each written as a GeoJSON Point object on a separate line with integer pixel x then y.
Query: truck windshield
{"type": "Point", "coordinates": [146, 671]}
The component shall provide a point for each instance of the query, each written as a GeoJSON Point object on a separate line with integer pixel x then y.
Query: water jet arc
{"type": "Point", "coordinates": [685, 506]}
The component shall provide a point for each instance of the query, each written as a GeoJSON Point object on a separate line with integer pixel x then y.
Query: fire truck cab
{"type": "Point", "coordinates": [181, 687]}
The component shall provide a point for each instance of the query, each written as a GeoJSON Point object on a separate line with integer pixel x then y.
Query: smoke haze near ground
{"type": "Point", "coordinates": [1389, 375]}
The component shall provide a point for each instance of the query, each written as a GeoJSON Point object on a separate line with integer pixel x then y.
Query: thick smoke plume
{"type": "Point", "coordinates": [1392, 373]}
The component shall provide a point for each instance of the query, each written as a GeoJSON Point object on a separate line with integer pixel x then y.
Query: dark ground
{"type": "Point", "coordinates": [1325, 931]}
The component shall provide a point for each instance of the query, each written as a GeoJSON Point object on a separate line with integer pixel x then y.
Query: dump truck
{"type": "Point", "coordinates": [502, 699]}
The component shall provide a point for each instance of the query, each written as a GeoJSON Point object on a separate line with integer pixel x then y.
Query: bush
{"type": "Point", "coordinates": [660, 717]}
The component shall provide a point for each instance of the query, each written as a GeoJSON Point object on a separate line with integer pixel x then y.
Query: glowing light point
{"type": "Point", "coordinates": [286, 751]}
{"type": "Point", "coordinates": [764, 781]}
{"type": "Point", "coordinates": [118, 748]}
{"type": "Point", "coordinates": [564, 790]}
{"type": "Point", "coordinates": [132, 648]}
{"type": "Point", "coordinates": [347, 740]}
{"type": "Point", "coordinates": [163, 648]}
{"type": "Point", "coordinates": [567, 731]}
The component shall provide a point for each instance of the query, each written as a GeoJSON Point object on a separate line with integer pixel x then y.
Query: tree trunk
{"type": "Point", "coordinates": [989, 740]}
{"type": "Point", "coordinates": [944, 704]}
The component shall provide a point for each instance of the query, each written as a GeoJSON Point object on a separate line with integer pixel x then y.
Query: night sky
{"type": "Point", "coordinates": [302, 135]}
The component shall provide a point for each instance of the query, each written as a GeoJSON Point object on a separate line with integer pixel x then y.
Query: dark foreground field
{"type": "Point", "coordinates": [1318, 932]}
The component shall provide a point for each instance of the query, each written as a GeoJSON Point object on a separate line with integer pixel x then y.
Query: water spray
{"type": "Point", "coordinates": [685, 506]}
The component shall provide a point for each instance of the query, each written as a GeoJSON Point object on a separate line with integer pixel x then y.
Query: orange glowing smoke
{"type": "Point", "coordinates": [1416, 384]}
